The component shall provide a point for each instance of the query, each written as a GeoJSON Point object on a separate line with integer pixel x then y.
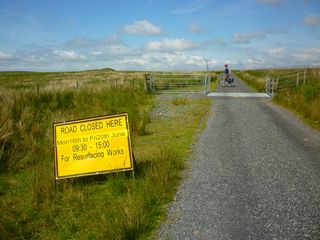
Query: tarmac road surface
{"type": "Point", "coordinates": [256, 175]}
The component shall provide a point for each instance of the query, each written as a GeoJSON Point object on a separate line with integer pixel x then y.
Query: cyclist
{"type": "Point", "coordinates": [227, 73]}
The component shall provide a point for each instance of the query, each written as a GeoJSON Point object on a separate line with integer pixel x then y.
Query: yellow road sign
{"type": "Point", "coordinates": [92, 146]}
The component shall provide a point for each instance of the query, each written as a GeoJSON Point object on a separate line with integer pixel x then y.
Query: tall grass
{"type": "Point", "coordinates": [26, 117]}
{"type": "Point", "coordinates": [304, 100]}
{"type": "Point", "coordinates": [114, 206]}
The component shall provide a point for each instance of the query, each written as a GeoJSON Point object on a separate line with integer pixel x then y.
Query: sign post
{"type": "Point", "coordinates": [92, 146]}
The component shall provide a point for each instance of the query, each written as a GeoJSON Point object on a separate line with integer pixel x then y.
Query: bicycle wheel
{"type": "Point", "coordinates": [222, 82]}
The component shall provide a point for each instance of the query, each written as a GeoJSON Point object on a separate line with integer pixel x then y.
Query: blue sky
{"type": "Point", "coordinates": [150, 35]}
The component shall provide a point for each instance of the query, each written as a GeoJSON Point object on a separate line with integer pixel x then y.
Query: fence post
{"type": "Point", "coordinates": [206, 82]}
{"type": "Point", "coordinates": [304, 76]}
{"type": "Point", "coordinates": [266, 84]}
{"type": "Point", "coordinates": [152, 82]}
{"type": "Point", "coordinates": [146, 83]}
{"type": "Point", "coordinates": [272, 87]}
{"type": "Point", "coordinates": [297, 84]}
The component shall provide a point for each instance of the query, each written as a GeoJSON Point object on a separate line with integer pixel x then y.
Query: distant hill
{"type": "Point", "coordinates": [102, 69]}
{"type": "Point", "coordinates": [108, 69]}
{"type": "Point", "coordinates": [98, 69]}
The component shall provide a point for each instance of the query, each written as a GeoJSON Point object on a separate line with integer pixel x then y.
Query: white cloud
{"type": "Point", "coordinates": [69, 55]}
{"type": "Point", "coordinates": [254, 61]}
{"type": "Point", "coordinates": [120, 49]}
{"type": "Point", "coordinates": [143, 27]}
{"type": "Point", "coordinates": [171, 45]}
{"type": "Point", "coordinates": [310, 56]}
{"type": "Point", "coordinates": [276, 52]}
{"type": "Point", "coordinates": [4, 56]}
{"type": "Point", "coordinates": [312, 20]}
{"type": "Point", "coordinates": [96, 53]}
{"type": "Point", "coordinates": [247, 37]}
{"type": "Point", "coordinates": [195, 28]}
{"type": "Point", "coordinates": [35, 59]}
{"type": "Point", "coordinates": [177, 61]}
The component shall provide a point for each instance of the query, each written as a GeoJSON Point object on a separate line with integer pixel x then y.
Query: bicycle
{"type": "Point", "coordinates": [226, 80]}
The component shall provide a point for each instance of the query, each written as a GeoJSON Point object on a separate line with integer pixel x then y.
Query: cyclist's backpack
{"type": "Point", "coordinates": [226, 71]}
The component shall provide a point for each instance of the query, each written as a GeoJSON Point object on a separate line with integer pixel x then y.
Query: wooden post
{"type": "Point", "coordinates": [297, 84]}
{"type": "Point", "coordinates": [304, 76]}
{"type": "Point", "coordinates": [265, 83]}
{"type": "Point", "coordinates": [146, 83]}
{"type": "Point", "coordinates": [272, 88]}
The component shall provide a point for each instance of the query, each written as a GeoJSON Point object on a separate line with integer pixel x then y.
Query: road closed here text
{"type": "Point", "coordinates": [91, 146]}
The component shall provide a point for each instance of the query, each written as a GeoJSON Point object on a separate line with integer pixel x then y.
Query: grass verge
{"type": "Point", "coordinates": [304, 101]}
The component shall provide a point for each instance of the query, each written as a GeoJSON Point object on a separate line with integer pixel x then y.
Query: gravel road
{"type": "Point", "coordinates": [256, 175]}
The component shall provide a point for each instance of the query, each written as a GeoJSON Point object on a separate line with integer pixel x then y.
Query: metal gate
{"type": "Point", "coordinates": [177, 83]}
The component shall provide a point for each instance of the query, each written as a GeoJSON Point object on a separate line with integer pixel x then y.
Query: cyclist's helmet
{"type": "Point", "coordinates": [226, 65]}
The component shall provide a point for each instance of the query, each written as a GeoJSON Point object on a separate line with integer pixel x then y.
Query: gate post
{"type": "Point", "coordinates": [272, 89]}
{"type": "Point", "coordinates": [266, 84]}
{"type": "Point", "coordinates": [146, 82]}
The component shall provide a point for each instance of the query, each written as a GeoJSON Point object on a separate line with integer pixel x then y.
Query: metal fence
{"type": "Point", "coordinates": [177, 83]}
{"type": "Point", "coordinates": [286, 81]}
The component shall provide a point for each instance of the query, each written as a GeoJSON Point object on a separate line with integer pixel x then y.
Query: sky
{"type": "Point", "coordinates": [158, 35]}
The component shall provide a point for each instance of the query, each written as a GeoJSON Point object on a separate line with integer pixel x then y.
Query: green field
{"type": "Point", "coordinates": [112, 206]}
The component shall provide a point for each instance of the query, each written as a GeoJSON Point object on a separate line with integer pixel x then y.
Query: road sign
{"type": "Point", "coordinates": [92, 146]}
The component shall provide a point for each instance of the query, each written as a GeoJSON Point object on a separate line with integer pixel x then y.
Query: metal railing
{"type": "Point", "coordinates": [177, 83]}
